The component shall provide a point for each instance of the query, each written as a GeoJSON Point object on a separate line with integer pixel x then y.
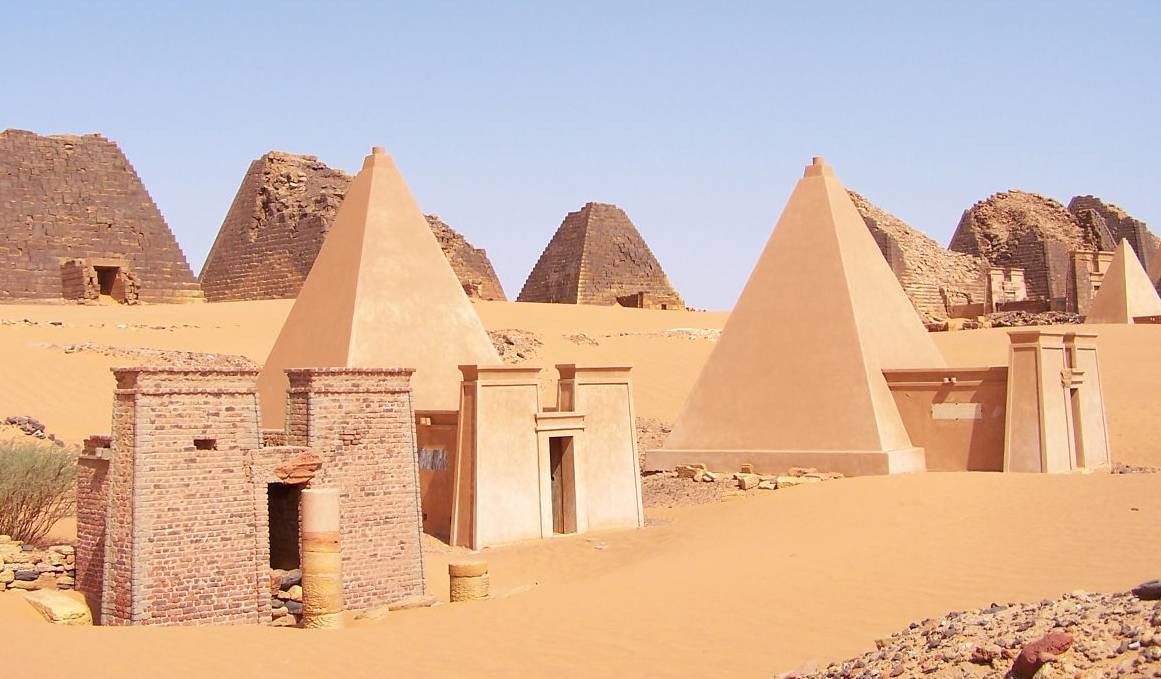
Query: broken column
{"type": "Point", "coordinates": [468, 581]}
{"type": "Point", "coordinates": [322, 560]}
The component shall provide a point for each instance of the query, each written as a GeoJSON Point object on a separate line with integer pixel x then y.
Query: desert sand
{"type": "Point", "coordinates": [741, 588]}
{"type": "Point", "coordinates": [745, 587]}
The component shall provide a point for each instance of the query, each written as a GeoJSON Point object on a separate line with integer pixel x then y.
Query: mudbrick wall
{"type": "Point", "coordinates": [276, 225]}
{"type": "Point", "coordinates": [933, 278]}
{"type": "Point", "coordinates": [185, 472]}
{"type": "Point", "coordinates": [77, 197]}
{"type": "Point", "coordinates": [596, 257]}
{"type": "Point", "coordinates": [1031, 232]}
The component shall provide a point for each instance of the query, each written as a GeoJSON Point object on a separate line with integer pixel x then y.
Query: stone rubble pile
{"type": "Point", "coordinates": [30, 426]}
{"type": "Point", "coordinates": [1081, 635]}
{"type": "Point", "coordinates": [26, 568]}
{"type": "Point", "coordinates": [748, 480]}
{"type": "Point", "coordinates": [515, 346]}
{"type": "Point", "coordinates": [286, 597]}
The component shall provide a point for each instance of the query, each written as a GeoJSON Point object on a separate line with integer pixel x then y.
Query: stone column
{"type": "Point", "coordinates": [322, 560]}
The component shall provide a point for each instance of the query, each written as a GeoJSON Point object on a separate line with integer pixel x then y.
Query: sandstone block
{"type": "Point", "coordinates": [747, 481]}
{"type": "Point", "coordinates": [26, 585]}
{"type": "Point", "coordinates": [59, 608]}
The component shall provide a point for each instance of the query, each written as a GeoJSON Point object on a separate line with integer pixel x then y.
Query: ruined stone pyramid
{"type": "Point", "coordinates": [381, 294]}
{"type": "Point", "coordinates": [75, 202]}
{"type": "Point", "coordinates": [276, 225]}
{"type": "Point", "coordinates": [1126, 291]}
{"type": "Point", "coordinates": [796, 378]}
{"type": "Point", "coordinates": [597, 256]}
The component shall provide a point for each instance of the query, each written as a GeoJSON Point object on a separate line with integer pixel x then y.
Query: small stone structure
{"type": "Point", "coordinates": [277, 223]}
{"type": "Point", "coordinates": [76, 223]}
{"type": "Point", "coordinates": [521, 472]}
{"type": "Point", "coordinates": [597, 256]}
{"type": "Point", "coordinates": [185, 471]}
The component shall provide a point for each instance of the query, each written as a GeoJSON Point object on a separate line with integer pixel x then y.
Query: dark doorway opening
{"type": "Point", "coordinates": [560, 460]}
{"type": "Point", "coordinates": [106, 278]}
{"type": "Point", "coordinates": [282, 506]}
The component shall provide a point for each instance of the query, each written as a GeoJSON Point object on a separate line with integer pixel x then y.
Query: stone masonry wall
{"type": "Point", "coordinates": [1121, 226]}
{"type": "Point", "coordinates": [362, 425]}
{"type": "Point", "coordinates": [276, 225]}
{"type": "Point", "coordinates": [933, 278]}
{"type": "Point", "coordinates": [595, 257]}
{"type": "Point", "coordinates": [66, 197]}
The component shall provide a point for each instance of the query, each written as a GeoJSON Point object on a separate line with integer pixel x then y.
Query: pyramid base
{"type": "Point", "coordinates": [848, 463]}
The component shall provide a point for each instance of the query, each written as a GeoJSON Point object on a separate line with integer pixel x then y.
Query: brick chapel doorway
{"type": "Point", "coordinates": [107, 278]}
{"type": "Point", "coordinates": [282, 506]}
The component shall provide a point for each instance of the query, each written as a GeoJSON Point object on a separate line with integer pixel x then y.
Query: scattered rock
{"type": "Point", "coordinates": [1043, 650]}
{"type": "Point", "coordinates": [59, 608]}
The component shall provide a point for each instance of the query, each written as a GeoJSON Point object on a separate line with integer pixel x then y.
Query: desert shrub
{"type": "Point", "coordinates": [37, 488]}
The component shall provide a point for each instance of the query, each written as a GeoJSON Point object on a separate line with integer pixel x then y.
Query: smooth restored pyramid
{"type": "Point", "coordinates": [1126, 291]}
{"type": "Point", "coordinates": [381, 294]}
{"type": "Point", "coordinates": [796, 378]}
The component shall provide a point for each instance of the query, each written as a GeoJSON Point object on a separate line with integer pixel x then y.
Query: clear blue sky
{"type": "Point", "coordinates": [697, 118]}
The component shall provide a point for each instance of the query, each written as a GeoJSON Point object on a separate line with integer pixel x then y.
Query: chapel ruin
{"type": "Point", "coordinates": [77, 224]}
{"type": "Point", "coordinates": [597, 256]}
{"type": "Point", "coordinates": [855, 384]}
{"type": "Point", "coordinates": [276, 225]}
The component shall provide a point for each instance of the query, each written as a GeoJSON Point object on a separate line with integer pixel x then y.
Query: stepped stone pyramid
{"type": "Point", "coordinates": [1126, 291]}
{"type": "Point", "coordinates": [74, 215]}
{"type": "Point", "coordinates": [276, 225]}
{"type": "Point", "coordinates": [597, 256]}
{"type": "Point", "coordinates": [796, 377]}
{"type": "Point", "coordinates": [381, 294]}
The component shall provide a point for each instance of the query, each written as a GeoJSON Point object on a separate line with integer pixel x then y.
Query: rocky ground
{"type": "Point", "coordinates": [24, 567]}
{"type": "Point", "coordinates": [1080, 634]}
{"type": "Point", "coordinates": [514, 345]}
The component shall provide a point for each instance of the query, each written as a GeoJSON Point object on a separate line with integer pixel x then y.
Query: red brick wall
{"type": "Point", "coordinates": [67, 197]}
{"type": "Point", "coordinates": [171, 500]}
{"type": "Point", "coordinates": [362, 425]}
{"type": "Point", "coordinates": [92, 473]}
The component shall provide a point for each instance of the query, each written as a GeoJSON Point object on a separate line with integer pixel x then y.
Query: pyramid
{"type": "Point", "coordinates": [74, 203]}
{"type": "Point", "coordinates": [796, 377]}
{"type": "Point", "coordinates": [597, 256]}
{"type": "Point", "coordinates": [380, 294]}
{"type": "Point", "coordinates": [1126, 291]}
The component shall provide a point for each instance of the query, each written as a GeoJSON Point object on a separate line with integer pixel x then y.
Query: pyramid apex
{"type": "Point", "coordinates": [377, 155]}
{"type": "Point", "coordinates": [818, 167]}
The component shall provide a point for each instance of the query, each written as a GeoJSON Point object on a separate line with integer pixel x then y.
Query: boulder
{"type": "Point", "coordinates": [60, 608]}
{"type": "Point", "coordinates": [747, 481]}
{"type": "Point", "coordinates": [1045, 649]}
{"type": "Point", "coordinates": [1149, 591]}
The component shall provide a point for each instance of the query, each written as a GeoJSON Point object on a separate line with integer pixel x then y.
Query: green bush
{"type": "Point", "coordinates": [37, 488]}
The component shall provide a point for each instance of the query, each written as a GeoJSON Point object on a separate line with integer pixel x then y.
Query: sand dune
{"type": "Point", "coordinates": [742, 588]}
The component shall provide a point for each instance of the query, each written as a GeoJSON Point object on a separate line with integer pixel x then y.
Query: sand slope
{"type": "Point", "coordinates": [741, 588]}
